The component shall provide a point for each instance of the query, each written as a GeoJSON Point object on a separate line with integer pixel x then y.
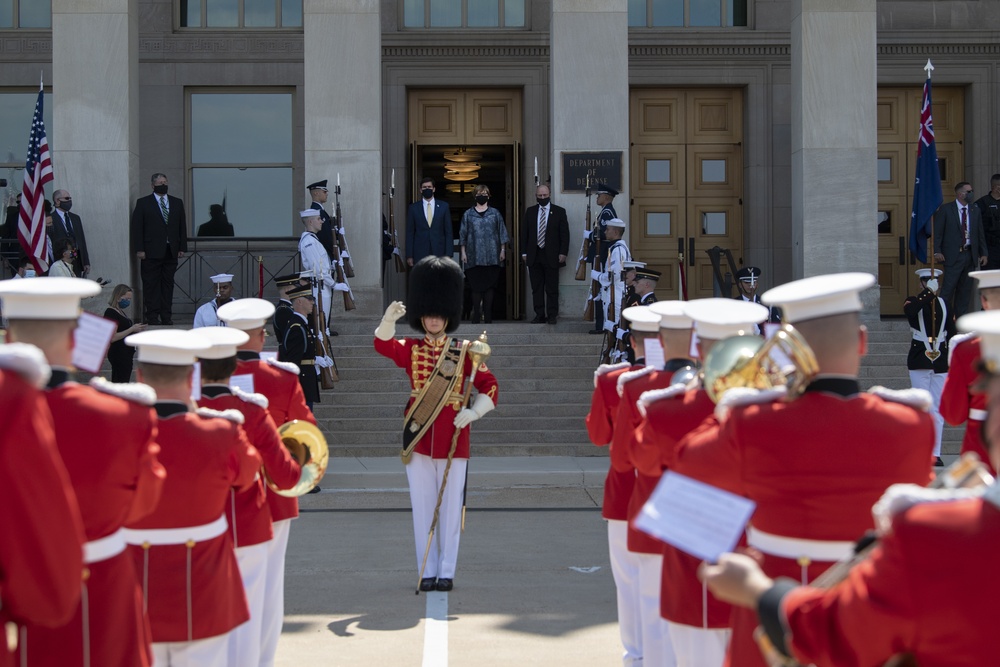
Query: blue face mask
{"type": "Point", "coordinates": [124, 303]}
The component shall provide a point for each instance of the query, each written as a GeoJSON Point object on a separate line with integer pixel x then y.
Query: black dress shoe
{"type": "Point", "coordinates": [428, 584]}
{"type": "Point", "coordinates": [333, 333]}
{"type": "Point", "coordinates": [938, 463]}
{"type": "Point", "coordinates": [167, 322]}
{"type": "Point", "coordinates": [315, 489]}
{"type": "Point", "coordinates": [596, 331]}
{"type": "Point", "coordinates": [445, 584]}
{"type": "Point", "coordinates": [152, 321]}
{"type": "Point", "coordinates": [552, 320]}
{"type": "Point", "coordinates": [538, 320]}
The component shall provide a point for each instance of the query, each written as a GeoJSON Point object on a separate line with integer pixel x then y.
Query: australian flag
{"type": "Point", "coordinates": [927, 196]}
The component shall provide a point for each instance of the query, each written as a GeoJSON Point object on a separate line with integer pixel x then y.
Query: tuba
{"type": "Point", "coordinates": [745, 361]}
{"type": "Point", "coordinates": [308, 447]}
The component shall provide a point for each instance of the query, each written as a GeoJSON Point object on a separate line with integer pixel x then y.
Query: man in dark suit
{"type": "Point", "coordinates": [544, 246]}
{"type": "Point", "coordinates": [428, 226]}
{"type": "Point", "coordinates": [68, 225]}
{"type": "Point", "coordinates": [960, 244]}
{"type": "Point", "coordinates": [159, 239]}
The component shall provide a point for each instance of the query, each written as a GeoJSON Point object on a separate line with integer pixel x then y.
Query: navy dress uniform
{"type": "Point", "coordinates": [319, 190]}
{"type": "Point", "coordinates": [598, 234]}
{"type": "Point", "coordinates": [300, 347]}
{"type": "Point", "coordinates": [283, 312]}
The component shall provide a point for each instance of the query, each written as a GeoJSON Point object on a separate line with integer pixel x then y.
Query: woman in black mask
{"type": "Point", "coordinates": [483, 238]}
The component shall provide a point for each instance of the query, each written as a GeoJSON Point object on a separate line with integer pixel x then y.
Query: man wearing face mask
{"type": "Point", "coordinates": [159, 239]}
{"type": "Point", "coordinates": [428, 226]}
{"type": "Point", "coordinates": [68, 225]}
{"type": "Point", "coordinates": [544, 246]}
{"type": "Point", "coordinates": [960, 243]}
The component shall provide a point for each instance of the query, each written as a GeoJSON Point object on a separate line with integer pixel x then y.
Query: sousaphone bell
{"type": "Point", "coordinates": [308, 447]}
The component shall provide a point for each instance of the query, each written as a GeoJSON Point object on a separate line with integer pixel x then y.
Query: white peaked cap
{"type": "Point", "coordinates": [926, 273]}
{"type": "Point", "coordinates": [716, 318]}
{"type": "Point", "coordinates": [987, 324]}
{"type": "Point", "coordinates": [224, 341]}
{"type": "Point", "coordinates": [170, 347]}
{"type": "Point", "coordinates": [633, 264]}
{"type": "Point", "coordinates": [616, 222]}
{"type": "Point", "coordinates": [673, 314]}
{"type": "Point", "coordinates": [246, 314]}
{"type": "Point", "coordinates": [819, 296]}
{"type": "Point", "coordinates": [45, 298]}
{"type": "Point", "coordinates": [987, 279]}
{"type": "Point", "coordinates": [642, 318]}
{"type": "Point", "coordinates": [309, 213]}
{"type": "Point", "coordinates": [222, 278]}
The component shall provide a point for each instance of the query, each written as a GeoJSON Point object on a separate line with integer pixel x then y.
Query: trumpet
{"type": "Point", "coordinates": [308, 447]}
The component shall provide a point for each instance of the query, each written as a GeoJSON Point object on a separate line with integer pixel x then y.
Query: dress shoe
{"type": "Point", "coordinates": [168, 322]}
{"type": "Point", "coordinates": [552, 320]}
{"type": "Point", "coordinates": [445, 584]}
{"type": "Point", "coordinates": [315, 489]}
{"type": "Point", "coordinates": [596, 331]}
{"type": "Point", "coordinates": [152, 321]}
{"type": "Point", "coordinates": [428, 584]}
{"type": "Point", "coordinates": [938, 463]}
{"type": "Point", "coordinates": [538, 320]}
{"type": "Point", "coordinates": [333, 333]}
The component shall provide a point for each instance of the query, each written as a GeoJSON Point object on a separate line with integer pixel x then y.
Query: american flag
{"type": "Point", "coordinates": [927, 195]}
{"type": "Point", "coordinates": [37, 172]}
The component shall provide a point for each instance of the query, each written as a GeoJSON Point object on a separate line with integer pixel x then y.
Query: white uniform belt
{"type": "Point", "coordinates": [795, 548]}
{"type": "Point", "coordinates": [919, 335]}
{"type": "Point", "coordinates": [164, 536]}
{"type": "Point", "coordinates": [105, 547]}
{"type": "Point", "coordinates": [978, 415]}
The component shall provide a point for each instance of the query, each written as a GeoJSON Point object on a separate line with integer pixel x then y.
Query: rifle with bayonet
{"type": "Point", "coordinates": [341, 242]}
{"type": "Point", "coordinates": [327, 376]}
{"type": "Point", "coordinates": [581, 264]}
{"type": "Point", "coordinates": [396, 258]}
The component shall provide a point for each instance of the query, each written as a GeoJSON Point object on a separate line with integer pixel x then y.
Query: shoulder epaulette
{"type": "Point", "coordinates": [919, 399]}
{"type": "Point", "coordinates": [259, 400]}
{"type": "Point", "coordinates": [631, 375]}
{"type": "Point", "coordinates": [604, 369]}
{"type": "Point", "coordinates": [900, 497]}
{"type": "Point", "coordinates": [27, 361]}
{"type": "Point", "coordinates": [740, 396]}
{"type": "Point", "coordinates": [954, 341]}
{"type": "Point", "coordinates": [647, 398]}
{"type": "Point", "coordinates": [286, 366]}
{"type": "Point", "coordinates": [234, 416]}
{"type": "Point", "coordinates": [135, 392]}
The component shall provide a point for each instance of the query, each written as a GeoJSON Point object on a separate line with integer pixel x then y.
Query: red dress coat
{"type": "Point", "coordinates": [418, 357]}
{"type": "Point", "coordinates": [205, 457]}
{"type": "Point", "coordinates": [106, 435]}
{"type": "Point", "coordinates": [600, 427]}
{"type": "Point", "coordinates": [279, 382]}
{"type": "Point", "coordinates": [957, 397]}
{"type": "Point", "coordinates": [671, 414]}
{"type": "Point", "coordinates": [247, 511]}
{"type": "Point", "coordinates": [41, 552]}
{"type": "Point", "coordinates": [814, 467]}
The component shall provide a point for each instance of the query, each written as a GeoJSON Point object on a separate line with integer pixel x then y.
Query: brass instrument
{"type": "Point", "coordinates": [745, 361]}
{"type": "Point", "coordinates": [308, 447]}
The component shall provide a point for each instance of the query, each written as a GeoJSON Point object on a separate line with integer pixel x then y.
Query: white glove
{"type": "Point", "coordinates": [324, 362]}
{"type": "Point", "coordinates": [587, 232]}
{"type": "Point", "coordinates": [480, 407]}
{"type": "Point", "coordinates": [328, 281]}
{"type": "Point", "coordinates": [609, 325]}
{"type": "Point", "coordinates": [932, 285]}
{"type": "Point", "coordinates": [620, 334]}
{"type": "Point", "coordinates": [318, 370]}
{"type": "Point", "coordinates": [605, 280]}
{"type": "Point", "coordinates": [387, 327]}
{"type": "Point", "coordinates": [341, 287]}
{"type": "Point", "coordinates": [596, 275]}
{"type": "Point", "coordinates": [345, 254]}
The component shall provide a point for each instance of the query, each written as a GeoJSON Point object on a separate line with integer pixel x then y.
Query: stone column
{"type": "Point", "coordinates": [834, 137]}
{"type": "Point", "coordinates": [343, 56]}
{"type": "Point", "coordinates": [95, 134]}
{"type": "Point", "coordinates": [589, 107]}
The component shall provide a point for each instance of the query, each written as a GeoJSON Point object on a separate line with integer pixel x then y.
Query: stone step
{"type": "Point", "coordinates": [522, 371]}
{"type": "Point", "coordinates": [395, 381]}
{"type": "Point", "coordinates": [525, 349]}
{"type": "Point", "coordinates": [391, 450]}
{"type": "Point", "coordinates": [365, 415]}
{"type": "Point", "coordinates": [574, 396]}
{"type": "Point", "coordinates": [481, 436]}
{"type": "Point", "coordinates": [496, 421]}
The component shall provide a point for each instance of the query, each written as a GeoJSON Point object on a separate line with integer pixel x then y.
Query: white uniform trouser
{"type": "Point", "coordinates": [245, 639]}
{"type": "Point", "coordinates": [625, 569]}
{"type": "Point", "coordinates": [274, 593]}
{"type": "Point", "coordinates": [210, 652]}
{"type": "Point", "coordinates": [934, 383]}
{"type": "Point", "coordinates": [698, 647]}
{"type": "Point", "coordinates": [656, 646]}
{"type": "Point", "coordinates": [327, 301]}
{"type": "Point", "coordinates": [424, 475]}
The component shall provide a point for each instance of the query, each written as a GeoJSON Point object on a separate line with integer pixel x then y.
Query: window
{"type": "Point", "coordinates": [241, 159]}
{"type": "Point", "coordinates": [463, 13]}
{"type": "Point", "coordinates": [687, 13]}
{"type": "Point", "coordinates": [16, 111]}
{"type": "Point", "coordinates": [240, 13]}
{"type": "Point", "coordinates": [25, 14]}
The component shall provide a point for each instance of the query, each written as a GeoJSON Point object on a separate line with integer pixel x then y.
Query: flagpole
{"type": "Point", "coordinates": [934, 295]}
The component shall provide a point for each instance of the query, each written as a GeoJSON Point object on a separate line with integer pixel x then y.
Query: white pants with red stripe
{"type": "Point", "coordinates": [210, 652]}
{"type": "Point", "coordinates": [698, 647]}
{"type": "Point", "coordinates": [424, 475]}
{"type": "Point", "coordinates": [625, 570]}
{"type": "Point", "coordinates": [274, 593]}
{"type": "Point", "coordinates": [934, 383]}
{"type": "Point", "coordinates": [656, 646]}
{"type": "Point", "coordinates": [245, 639]}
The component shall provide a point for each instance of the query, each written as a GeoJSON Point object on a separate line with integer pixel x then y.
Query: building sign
{"type": "Point", "coordinates": [603, 168]}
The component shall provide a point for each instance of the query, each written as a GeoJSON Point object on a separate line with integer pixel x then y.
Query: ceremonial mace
{"type": "Point", "coordinates": [479, 350]}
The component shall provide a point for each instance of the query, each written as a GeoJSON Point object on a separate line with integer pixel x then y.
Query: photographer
{"type": "Point", "coordinates": [989, 206]}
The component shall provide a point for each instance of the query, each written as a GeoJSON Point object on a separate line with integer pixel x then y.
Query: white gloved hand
{"type": "Point", "coordinates": [605, 280]}
{"type": "Point", "coordinates": [387, 327]}
{"type": "Point", "coordinates": [480, 407]}
{"type": "Point", "coordinates": [620, 334]}
{"type": "Point", "coordinates": [324, 362]}
{"type": "Point", "coordinates": [596, 275]}
{"type": "Point", "coordinates": [341, 287]}
{"type": "Point", "coordinates": [328, 281]}
{"type": "Point", "coordinates": [318, 370]}
{"type": "Point", "coordinates": [933, 284]}
{"type": "Point", "coordinates": [465, 417]}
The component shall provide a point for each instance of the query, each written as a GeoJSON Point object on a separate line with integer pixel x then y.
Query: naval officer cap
{"type": "Point", "coordinates": [302, 290]}
{"type": "Point", "coordinates": [642, 319]}
{"type": "Point", "coordinates": [616, 222]}
{"type": "Point", "coordinates": [286, 280]}
{"type": "Point", "coordinates": [716, 318]}
{"type": "Point", "coordinates": [222, 278]}
{"type": "Point", "coordinates": [246, 314]}
{"type": "Point", "coordinates": [673, 314]}
{"type": "Point", "coordinates": [986, 279]}
{"type": "Point", "coordinates": [986, 323]}
{"type": "Point", "coordinates": [168, 347]}
{"type": "Point", "coordinates": [309, 213]}
{"type": "Point", "coordinates": [318, 185]}
{"type": "Point", "coordinates": [633, 264]}
{"type": "Point", "coordinates": [223, 341]}
{"type": "Point", "coordinates": [926, 274]}
{"type": "Point", "coordinates": [52, 298]}
{"type": "Point", "coordinates": [647, 274]}
{"type": "Point", "coordinates": [748, 274]}
{"type": "Point", "coordinates": [819, 296]}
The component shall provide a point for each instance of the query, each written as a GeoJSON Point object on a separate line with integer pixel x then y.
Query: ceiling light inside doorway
{"type": "Point", "coordinates": [462, 155]}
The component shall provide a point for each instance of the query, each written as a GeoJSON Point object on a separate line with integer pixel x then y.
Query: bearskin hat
{"type": "Point", "coordinates": [437, 287]}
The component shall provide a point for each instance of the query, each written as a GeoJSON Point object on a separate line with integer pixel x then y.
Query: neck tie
{"type": "Point", "coordinates": [429, 213]}
{"type": "Point", "coordinates": [69, 226]}
{"type": "Point", "coordinates": [163, 208]}
{"type": "Point", "coordinates": [965, 225]}
{"type": "Point", "coordinates": [542, 220]}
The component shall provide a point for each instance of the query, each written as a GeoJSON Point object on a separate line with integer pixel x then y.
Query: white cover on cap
{"type": "Point", "coordinates": [987, 279]}
{"type": "Point", "coordinates": [819, 296]}
{"type": "Point", "coordinates": [632, 264]}
{"type": "Point", "coordinates": [673, 314]}
{"type": "Point", "coordinates": [987, 324]}
{"type": "Point", "coordinates": [309, 213]}
{"type": "Point", "coordinates": [642, 318]}
{"type": "Point", "coordinates": [224, 341]}
{"type": "Point", "coordinates": [222, 278]}
{"type": "Point", "coordinates": [246, 314]}
{"type": "Point", "coordinates": [926, 273]}
{"type": "Point", "coordinates": [170, 347]}
{"type": "Point", "coordinates": [45, 299]}
{"type": "Point", "coordinates": [716, 318]}
{"type": "Point", "coordinates": [616, 222]}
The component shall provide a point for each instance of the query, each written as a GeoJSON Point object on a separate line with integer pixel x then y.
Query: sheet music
{"type": "Point", "coordinates": [654, 353]}
{"type": "Point", "coordinates": [91, 340]}
{"type": "Point", "coordinates": [268, 354]}
{"type": "Point", "coordinates": [196, 382]}
{"type": "Point", "coordinates": [244, 382]}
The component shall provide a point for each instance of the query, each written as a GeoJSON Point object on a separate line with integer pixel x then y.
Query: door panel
{"type": "Point", "coordinates": [660, 172]}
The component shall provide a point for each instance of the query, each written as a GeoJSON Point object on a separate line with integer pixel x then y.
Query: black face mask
{"type": "Point", "coordinates": [482, 199]}
{"type": "Point", "coordinates": [543, 201]}
{"type": "Point", "coordinates": [66, 204]}
{"type": "Point", "coordinates": [160, 189]}
{"type": "Point", "coordinates": [427, 193]}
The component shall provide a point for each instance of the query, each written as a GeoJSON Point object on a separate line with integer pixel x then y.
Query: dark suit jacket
{"type": "Point", "coordinates": [421, 240]}
{"type": "Point", "coordinates": [59, 232]}
{"type": "Point", "coordinates": [948, 237]}
{"type": "Point", "coordinates": [556, 235]}
{"type": "Point", "coordinates": [149, 232]}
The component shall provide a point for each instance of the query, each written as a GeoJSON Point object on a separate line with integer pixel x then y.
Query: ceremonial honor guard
{"type": "Point", "coordinates": [106, 436]}
{"type": "Point", "coordinates": [440, 369]}
{"type": "Point", "coordinates": [629, 275]}
{"type": "Point", "coordinates": [605, 195]}
{"type": "Point", "coordinates": [959, 401]}
{"type": "Point", "coordinates": [279, 382]}
{"type": "Point", "coordinates": [316, 262]}
{"type": "Point", "coordinates": [613, 280]}
{"type": "Point", "coordinates": [206, 315]}
{"type": "Point", "coordinates": [919, 596]}
{"type": "Point", "coordinates": [283, 312]}
{"type": "Point", "coordinates": [300, 342]}
{"type": "Point", "coordinates": [183, 551]}
{"type": "Point", "coordinates": [747, 286]}
{"type": "Point", "coordinates": [319, 192]}
{"type": "Point", "coordinates": [40, 570]}
{"type": "Point", "coordinates": [813, 486]}
{"type": "Point", "coordinates": [643, 285]}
